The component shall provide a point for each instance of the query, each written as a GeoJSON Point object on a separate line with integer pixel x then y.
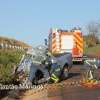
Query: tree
{"type": "Point", "coordinates": [93, 27]}
{"type": "Point", "coordinates": [93, 30]}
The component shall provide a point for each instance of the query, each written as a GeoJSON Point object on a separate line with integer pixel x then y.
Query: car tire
{"type": "Point", "coordinates": [38, 75]}
{"type": "Point", "coordinates": [64, 73]}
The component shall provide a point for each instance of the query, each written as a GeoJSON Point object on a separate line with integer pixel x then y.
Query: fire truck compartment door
{"type": "Point", "coordinates": [67, 42]}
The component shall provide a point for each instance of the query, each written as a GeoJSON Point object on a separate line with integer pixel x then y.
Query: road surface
{"type": "Point", "coordinates": [74, 92]}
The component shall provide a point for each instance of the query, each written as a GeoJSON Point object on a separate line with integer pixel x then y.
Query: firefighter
{"type": "Point", "coordinates": [55, 74]}
{"type": "Point", "coordinates": [90, 67]}
{"type": "Point", "coordinates": [53, 68]}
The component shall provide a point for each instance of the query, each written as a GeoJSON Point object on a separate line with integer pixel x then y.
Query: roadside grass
{"type": "Point", "coordinates": [8, 60]}
{"type": "Point", "coordinates": [92, 50]}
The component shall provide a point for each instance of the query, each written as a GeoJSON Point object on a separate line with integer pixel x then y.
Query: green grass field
{"type": "Point", "coordinates": [92, 50]}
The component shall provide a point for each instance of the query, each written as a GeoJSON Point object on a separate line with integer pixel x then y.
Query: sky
{"type": "Point", "coordinates": [30, 20]}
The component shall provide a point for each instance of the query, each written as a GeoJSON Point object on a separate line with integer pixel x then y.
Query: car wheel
{"type": "Point", "coordinates": [38, 75]}
{"type": "Point", "coordinates": [65, 71]}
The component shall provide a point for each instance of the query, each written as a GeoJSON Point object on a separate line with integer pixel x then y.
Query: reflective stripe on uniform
{"type": "Point", "coordinates": [95, 66]}
{"type": "Point", "coordinates": [54, 78]}
{"type": "Point", "coordinates": [87, 62]}
{"type": "Point", "coordinates": [58, 69]}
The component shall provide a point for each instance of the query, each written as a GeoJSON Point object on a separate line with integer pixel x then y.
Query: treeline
{"type": "Point", "coordinates": [91, 40]}
{"type": "Point", "coordinates": [93, 34]}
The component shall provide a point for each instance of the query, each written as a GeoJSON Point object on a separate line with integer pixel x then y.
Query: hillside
{"type": "Point", "coordinates": [10, 58]}
{"type": "Point", "coordinates": [13, 42]}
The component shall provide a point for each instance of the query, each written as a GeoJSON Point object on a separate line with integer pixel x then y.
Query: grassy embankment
{"type": "Point", "coordinates": [95, 50]}
{"type": "Point", "coordinates": [8, 61]}
{"type": "Point", "coordinates": [9, 58]}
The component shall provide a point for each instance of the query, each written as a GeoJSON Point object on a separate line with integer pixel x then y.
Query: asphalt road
{"type": "Point", "coordinates": [74, 92]}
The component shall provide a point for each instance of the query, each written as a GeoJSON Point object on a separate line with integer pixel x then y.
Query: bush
{"type": "Point", "coordinates": [90, 40]}
{"type": "Point", "coordinates": [8, 59]}
{"type": "Point", "coordinates": [5, 73]}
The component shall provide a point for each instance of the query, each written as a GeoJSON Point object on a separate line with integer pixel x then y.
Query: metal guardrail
{"type": "Point", "coordinates": [9, 46]}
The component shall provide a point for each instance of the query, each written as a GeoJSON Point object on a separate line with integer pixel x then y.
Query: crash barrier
{"type": "Point", "coordinates": [9, 46]}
